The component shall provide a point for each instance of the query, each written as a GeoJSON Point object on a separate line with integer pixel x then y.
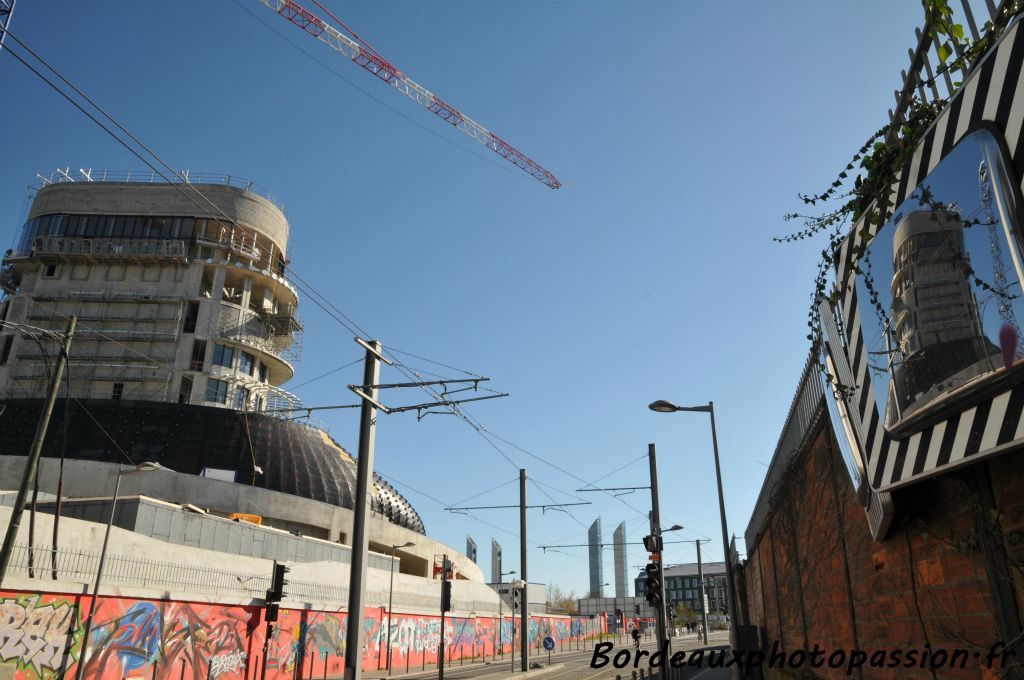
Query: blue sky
{"type": "Point", "coordinates": [681, 131]}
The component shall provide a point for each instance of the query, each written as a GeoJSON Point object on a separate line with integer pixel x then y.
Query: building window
{"type": "Point", "coordinates": [198, 355]}
{"type": "Point", "coordinates": [185, 390]}
{"type": "Point", "coordinates": [223, 355]}
{"type": "Point", "coordinates": [191, 316]}
{"type": "Point", "coordinates": [217, 391]}
{"type": "Point", "coordinates": [50, 271]}
{"type": "Point", "coordinates": [241, 398]}
{"type": "Point", "coordinates": [117, 391]}
{"type": "Point", "coordinates": [246, 362]}
{"type": "Point", "coordinates": [263, 372]}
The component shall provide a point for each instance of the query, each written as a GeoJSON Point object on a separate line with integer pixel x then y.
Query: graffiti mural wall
{"type": "Point", "coordinates": [41, 637]}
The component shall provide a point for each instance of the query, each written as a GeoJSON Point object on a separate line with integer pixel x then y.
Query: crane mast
{"type": "Point", "coordinates": [376, 64]}
{"type": "Point", "coordinates": [999, 283]}
{"type": "Point", "coordinates": [6, 10]}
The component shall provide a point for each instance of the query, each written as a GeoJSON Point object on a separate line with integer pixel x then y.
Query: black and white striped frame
{"type": "Point", "coordinates": [992, 97]}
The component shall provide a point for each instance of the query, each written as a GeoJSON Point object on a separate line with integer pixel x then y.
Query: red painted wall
{"type": "Point", "coordinates": [41, 633]}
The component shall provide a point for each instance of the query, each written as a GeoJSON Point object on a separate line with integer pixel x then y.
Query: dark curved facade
{"type": "Point", "coordinates": [296, 459]}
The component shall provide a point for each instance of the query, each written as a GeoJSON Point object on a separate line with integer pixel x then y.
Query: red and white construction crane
{"type": "Point", "coordinates": [371, 60]}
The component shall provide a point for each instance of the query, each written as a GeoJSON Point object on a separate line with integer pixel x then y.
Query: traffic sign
{"type": "Point", "coordinates": [549, 643]}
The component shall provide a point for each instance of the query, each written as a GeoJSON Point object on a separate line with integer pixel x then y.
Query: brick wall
{"type": "Point", "coordinates": [948, 574]}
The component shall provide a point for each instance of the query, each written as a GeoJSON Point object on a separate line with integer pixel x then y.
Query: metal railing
{"type": "Point", "coordinates": [923, 75]}
{"type": "Point", "coordinates": [247, 327]}
{"type": "Point", "coordinates": [139, 572]}
{"type": "Point", "coordinates": [151, 177]}
{"type": "Point", "coordinates": [107, 247]}
{"type": "Point", "coordinates": [276, 400]}
{"type": "Point", "coordinates": [808, 403]}
{"type": "Point", "coordinates": [234, 244]}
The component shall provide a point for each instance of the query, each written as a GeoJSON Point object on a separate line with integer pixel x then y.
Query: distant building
{"type": "Point", "coordinates": [596, 559]}
{"type": "Point", "coordinates": [495, 561]}
{"type": "Point", "coordinates": [622, 612]}
{"type": "Point", "coordinates": [683, 585]}
{"type": "Point", "coordinates": [471, 549]}
{"type": "Point", "coordinates": [620, 561]}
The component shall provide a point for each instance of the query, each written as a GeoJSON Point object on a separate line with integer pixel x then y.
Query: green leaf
{"type": "Point", "coordinates": [944, 51]}
{"type": "Point", "coordinates": [958, 31]}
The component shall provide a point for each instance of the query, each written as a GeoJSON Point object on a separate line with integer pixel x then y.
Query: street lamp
{"type": "Point", "coordinates": [141, 467]}
{"type": "Point", "coordinates": [391, 593]}
{"type": "Point", "coordinates": [662, 406]}
{"type": "Point", "coordinates": [501, 618]}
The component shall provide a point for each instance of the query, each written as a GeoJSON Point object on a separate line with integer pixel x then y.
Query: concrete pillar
{"type": "Point", "coordinates": [246, 292]}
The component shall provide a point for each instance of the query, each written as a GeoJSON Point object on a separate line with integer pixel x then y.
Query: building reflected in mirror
{"type": "Point", "coordinates": [937, 340]}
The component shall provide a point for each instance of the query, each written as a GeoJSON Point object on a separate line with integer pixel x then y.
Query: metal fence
{"type": "Point", "coordinates": [930, 77]}
{"type": "Point", "coordinates": [140, 572]}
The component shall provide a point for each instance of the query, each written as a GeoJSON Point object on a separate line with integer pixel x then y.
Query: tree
{"type": "Point", "coordinates": [560, 601]}
{"type": "Point", "coordinates": [684, 615]}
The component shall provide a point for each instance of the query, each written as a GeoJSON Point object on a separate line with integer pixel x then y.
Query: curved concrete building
{"type": "Point", "coordinates": [187, 331]}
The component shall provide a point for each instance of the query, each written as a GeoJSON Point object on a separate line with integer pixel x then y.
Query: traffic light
{"type": "Point", "coordinates": [446, 596]}
{"type": "Point", "coordinates": [652, 590]}
{"type": "Point", "coordinates": [636, 610]}
{"type": "Point", "coordinates": [652, 543]}
{"type": "Point", "coordinates": [515, 599]}
{"type": "Point", "coordinates": [277, 583]}
{"type": "Point", "coordinates": [272, 610]}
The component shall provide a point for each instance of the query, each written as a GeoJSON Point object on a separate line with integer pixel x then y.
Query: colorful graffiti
{"type": "Point", "coordinates": [38, 633]}
{"type": "Point", "coordinates": [170, 640]}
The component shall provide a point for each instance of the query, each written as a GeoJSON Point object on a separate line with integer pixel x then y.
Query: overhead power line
{"type": "Point", "coordinates": [321, 301]}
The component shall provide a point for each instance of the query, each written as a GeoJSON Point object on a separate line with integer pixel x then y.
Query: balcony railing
{"type": "Point", "coordinates": [250, 328]}
{"type": "Point", "coordinates": [276, 401]}
{"type": "Point", "coordinates": [106, 247]}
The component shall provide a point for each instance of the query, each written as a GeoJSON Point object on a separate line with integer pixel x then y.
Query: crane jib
{"type": "Point", "coordinates": [373, 62]}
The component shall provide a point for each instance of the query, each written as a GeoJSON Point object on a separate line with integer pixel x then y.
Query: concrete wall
{"type": "Point", "coordinates": [89, 479]}
{"type": "Point", "coordinates": [141, 566]}
{"type": "Point", "coordinates": [132, 198]}
{"type": "Point", "coordinates": [172, 524]}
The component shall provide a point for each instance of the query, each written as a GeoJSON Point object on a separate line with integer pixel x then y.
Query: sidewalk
{"type": "Point", "coordinates": [476, 668]}
{"type": "Point", "coordinates": [571, 664]}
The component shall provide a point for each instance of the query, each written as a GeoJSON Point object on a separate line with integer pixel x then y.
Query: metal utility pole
{"type": "Point", "coordinates": [524, 603]}
{"type": "Point", "coordinates": [360, 539]}
{"type": "Point", "coordinates": [656, 531]}
{"type": "Point", "coordinates": [731, 585]}
{"type": "Point", "coordinates": [446, 603]}
{"type": "Point", "coordinates": [703, 597]}
{"type": "Point", "coordinates": [32, 464]}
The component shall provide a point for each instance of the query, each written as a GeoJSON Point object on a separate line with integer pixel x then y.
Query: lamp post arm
{"type": "Point", "coordinates": [80, 671]}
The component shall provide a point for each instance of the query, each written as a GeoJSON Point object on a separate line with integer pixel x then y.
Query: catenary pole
{"type": "Point", "coordinates": [360, 539]}
{"type": "Point", "coordinates": [703, 597]}
{"type": "Point", "coordinates": [32, 463]}
{"type": "Point", "coordinates": [524, 603]}
{"type": "Point", "coordinates": [652, 456]}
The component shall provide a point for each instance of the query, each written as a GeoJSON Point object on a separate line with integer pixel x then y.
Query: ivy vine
{"type": "Point", "coordinates": [878, 164]}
